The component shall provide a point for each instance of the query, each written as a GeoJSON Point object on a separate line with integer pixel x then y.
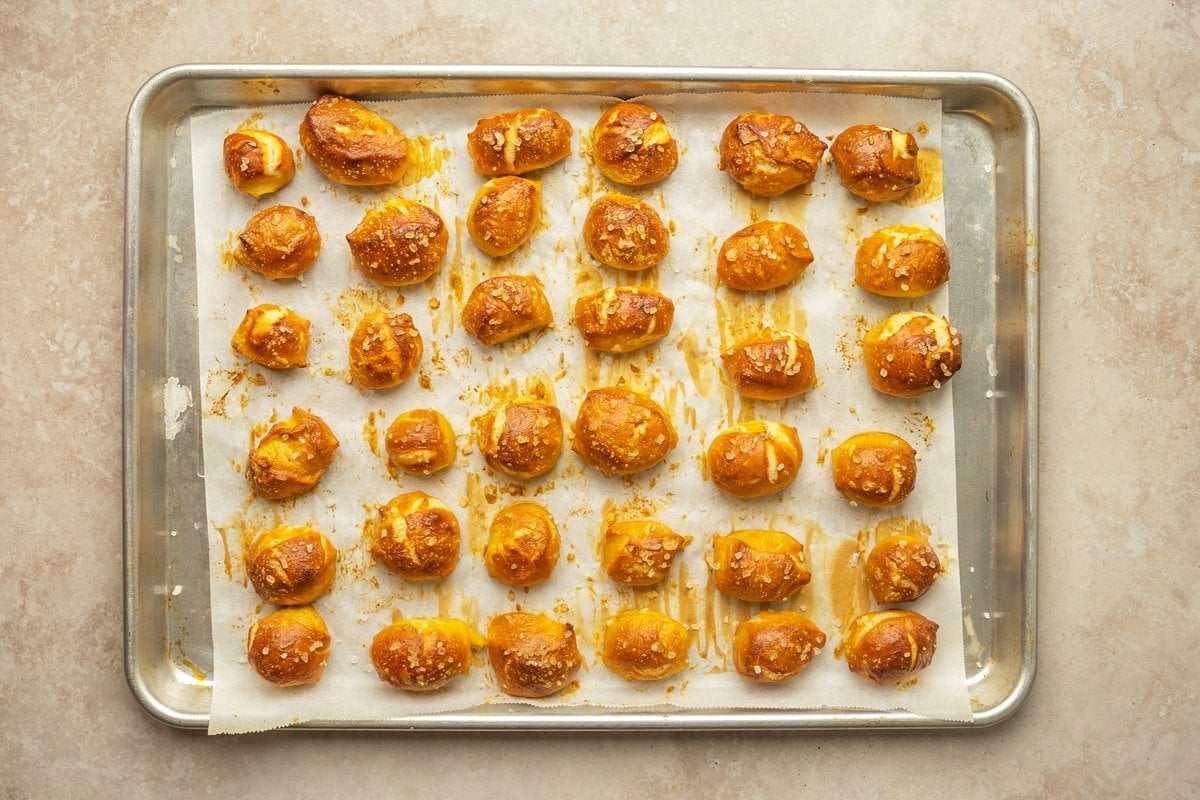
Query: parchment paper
{"type": "Point", "coordinates": [462, 379]}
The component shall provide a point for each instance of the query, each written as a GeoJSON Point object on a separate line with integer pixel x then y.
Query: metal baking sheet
{"type": "Point", "coordinates": [990, 152]}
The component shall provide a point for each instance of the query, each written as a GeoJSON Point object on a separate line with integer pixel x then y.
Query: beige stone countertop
{"type": "Point", "coordinates": [1113, 711]}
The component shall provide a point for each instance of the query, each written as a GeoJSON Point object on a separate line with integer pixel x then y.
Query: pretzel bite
{"type": "Point", "coordinates": [901, 568]}
{"type": "Point", "coordinates": [279, 242]}
{"type": "Point", "coordinates": [759, 566]}
{"type": "Point", "coordinates": [289, 646]}
{"type": "Point", "coordinates": [645, 645]}
{"type": "Point", "coordinates": [291, 565]}
{"type": "Point", "coordinates": [876, 164]}
{"type": "Point", "coordinates": [532, 654]}
{"type": "Point", "coordinates": [623, 318]}
{"type": "Point", "coordinates": [520, 141]}
{"type": "Point", "coordinates": [505, 307]}
{"type": "Point", "coordinates": [290, 459]}
{"type": "Point", "coordinates": [639, 552]}
{"type": "Point", "coordinates": [415, 537]}
{"type": "Point", "coordinates": [772, 365]}
{"type": "Point", "coordinates": [874, 469]}
{"type": "Point", "coordinates": [385, 350]}
{"type": "Point", "coordinates": [258, 162]}
{"type": "Point", "coordinates": [774, 646]}
{"type": "Point", "coordinates": [911, 353]}
{"type": "Point", "coordinates": [523, 544]}
{"type": "Point", "coordinates": [423, 655]}
{"type": "Point", "coordinates": [763, 255]}
{"type": "Point", "coordinates": [889, 646]}
{"type": "Point", "coordinates": [400, 244]}
{"type": "Point", "coordinates": [769, 154]}
{"type": "Point", "coordinates": [522, 438]}
{"type": "Point", "coordinates": [419, 442]}
{"type": "Point", "coordinates": [622, 232]}
{"type": "Point", "coordinates": [755, 458]}
{"type": "Point", "coordinates": [902, 261]}
{"type": "Point", "coordinates": [352, 144]}
{"type": "Point", "coordinates": [504, 214]}
{"type": "Point", "coordinates": [272, 336]}
{"type": "Point", "coordinates": [632, 145]}
{"type": "Point", "coordinates": [622, 432]}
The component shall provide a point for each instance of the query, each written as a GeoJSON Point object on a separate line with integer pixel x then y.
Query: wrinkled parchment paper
{"type": "Point", "coordinates": [702, 206]}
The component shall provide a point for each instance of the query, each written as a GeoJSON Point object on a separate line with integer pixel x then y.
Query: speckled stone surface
{"type": "Point", "coordinates": [1114, 710]}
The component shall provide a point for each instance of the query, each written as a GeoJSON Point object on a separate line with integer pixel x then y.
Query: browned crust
{"type": "Point", "coordinates": [506, 306]}
{"type": "Point", "coordinates": [763, 255]}
{"type": "Point", "coordinates": [419, 442]}
{"type": "Point", "coordinates": [759, 566]}
{"type": "Point", "coordinates": [532, 655]}
{"type": "Point", "coordinates": [771, 366]}
{"type": "Point", "coordinates": [902, 261]}
{"type": "Point", "coordinates": [352, 144]}
{"type": "Point", "coordinates": [625, 233]}
{"type": "Point", "coordinates": [889, 646]}
{"type": "Point", "coordinates": [639, 552]}
{"type": "Point", "coordinates": [385, 350]}
{"type": "Point", "coordinates": [289, 647]}
{"type": "Point", "coordinates": [422, 655]}
{"type": "Point", "coordinates": [769, 154]}
{"type": "Point", "coordinates": [755, 458]}
{"type": "Point", "coordinates": [272, 336]}
{"type": "Point", "coordinates": [775, 646]}
{"type": "Point", "coordinates": [870, 167]}
{"type": "Point", "coordinates": [279, 242]}
{"type": "Point", "coordinates": [400, 244]}
{"type": "Point", "coordinates": [645, 645]}
{"type": "Point", "coordinates": [520, 141]}
{"type": "Point", "coordinates": [291, 458]}
{"type": "Point", "coordinates": [522, 438]}
{"type": "Point", "coordinates": [251, 169]}
{"type": "Point", "coordinates": [245, 161]}
{"type": "Point", "coordinates": [622, 432]}
{"type": "Point", "coordinates": [901, 568]}
{"type": "Point", "coordinates": [623, 318]}
{"type": "Point", "coordinates": [291, 565]}
{"type": "Point", "coordinates": [874, 468]}
{"type": "Point", "coordinates": [523, 544]}
{"type": "Point", "coordinates": [504, 214]}
{"type": "Point", "coordinates": [911, 362]}
{"type": "Point", "coordinates": [632, 145]}
{"type": "Point", "coordinates": [415, 537]}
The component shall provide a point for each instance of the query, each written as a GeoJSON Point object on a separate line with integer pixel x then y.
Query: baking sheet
{"type": "Point", "coordinates": [828, 310]}
{"type": "Point", "coordinates": [990, 145]}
